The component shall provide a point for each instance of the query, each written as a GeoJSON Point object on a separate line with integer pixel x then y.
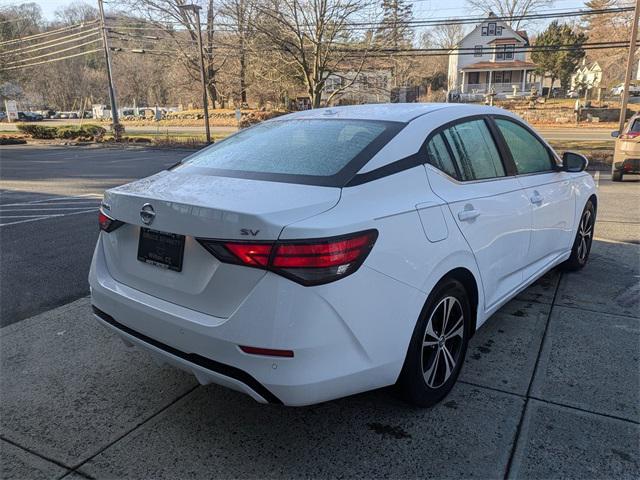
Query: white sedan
{"type": "Point", "coordinates": [334, 251]}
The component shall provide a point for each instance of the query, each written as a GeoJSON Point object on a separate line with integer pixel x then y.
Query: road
{"type": "Point", "coordinates": [550, 133]}
{"type": "Point", "coordinates": [49, 197]}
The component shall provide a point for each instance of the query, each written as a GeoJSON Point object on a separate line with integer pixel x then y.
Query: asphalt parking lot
{"type": "Point", "coordinates": [550, 386]}
{"type": "Point", "coordinates": [49, 198]}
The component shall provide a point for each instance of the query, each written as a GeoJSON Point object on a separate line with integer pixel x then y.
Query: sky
{"type": "Point", "coordinates": [421, 8]}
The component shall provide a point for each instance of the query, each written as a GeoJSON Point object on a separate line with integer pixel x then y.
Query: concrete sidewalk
{"type": "Point", "coordinates": [550, 388]}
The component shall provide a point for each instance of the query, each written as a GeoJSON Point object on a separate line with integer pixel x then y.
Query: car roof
{"type": "Point", "coordinates": [392, 112]}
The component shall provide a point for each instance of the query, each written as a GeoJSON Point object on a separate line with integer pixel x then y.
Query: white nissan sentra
{"type": "Point", "coordinates": [334, 251]}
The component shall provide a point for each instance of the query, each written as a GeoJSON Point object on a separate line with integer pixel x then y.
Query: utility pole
{"type": "Point", "coordinates": [115, 126]}
{"type": "Point", "coordinates": [203, 78]}
{"type": "Point", "coordinates": [630, 62]}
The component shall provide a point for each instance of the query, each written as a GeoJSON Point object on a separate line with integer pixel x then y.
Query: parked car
{"type": "Point", "coordinates": [334, 251]}
{"type": "Point", "coordinates": [626, 157]}
{"type": "Point", "coordinates": [634, 90]}
{"type": "Point", "coordinates": [29, 117]}
{"type": "Point", "coordinates": [3, 116]}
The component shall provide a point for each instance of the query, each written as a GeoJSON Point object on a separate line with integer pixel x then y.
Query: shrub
{"type": "Point", "coordinates": [89, 131]}
{"type": "Point", "coordinates": [72, 131]}
{"type": "Point", "coordinates": [37, 131]}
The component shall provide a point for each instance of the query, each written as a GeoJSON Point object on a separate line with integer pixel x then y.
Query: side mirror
{"type": "Point", "coordinates": [615, 134]}
{"type": "Point", "coordinates": [574, 162]}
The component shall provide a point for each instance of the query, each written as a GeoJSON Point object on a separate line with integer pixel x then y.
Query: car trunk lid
{"type": "Point", "coordinates": [203, 206]}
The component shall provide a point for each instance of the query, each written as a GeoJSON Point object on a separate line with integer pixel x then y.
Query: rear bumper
{"type": "Point", "coordinates": [341, 345]}
{"type": "Point", "coordinates": [626, 161]}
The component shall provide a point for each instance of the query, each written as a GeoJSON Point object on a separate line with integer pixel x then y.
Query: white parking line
{"type": "Point", "coordinates": [45, 209]}
{"type": "Point", "coordinates": [596, 179]}
{"type": "Point", "coordinates": [48, 217]}
{"type": "Point", "coordinates": [42, 200]}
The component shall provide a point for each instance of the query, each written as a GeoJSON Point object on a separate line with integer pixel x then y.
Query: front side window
{"type": "Point", "coordinates": [529, 154]}
{"type": "Point", "coordinates": [312, 147]}
{"type": "Point", "coordinates": [474, 150]}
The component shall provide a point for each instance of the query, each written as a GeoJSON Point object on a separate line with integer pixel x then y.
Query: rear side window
{"type": "Point", "coordinates": [474, 150]}
{"type": "Point", "coordinates": [529, 154]}
{"type": "Point", "coordinates": [439, 157]}
{"type": "Point", "coordinates": [318, 148]}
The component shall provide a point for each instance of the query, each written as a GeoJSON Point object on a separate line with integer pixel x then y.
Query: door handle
{"type": "Point", "coordinates": [468, 215]}
{"type": "Point", "coordinates": [537, 198]}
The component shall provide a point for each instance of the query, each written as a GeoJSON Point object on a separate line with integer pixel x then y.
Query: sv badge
{"type": "Point", "coordinates": [248, 231]}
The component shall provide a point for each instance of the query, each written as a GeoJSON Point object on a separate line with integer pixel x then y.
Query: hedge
{"type": "Point", "coordinates": [88, 131]}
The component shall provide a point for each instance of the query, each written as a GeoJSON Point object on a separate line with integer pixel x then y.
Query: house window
{"type": "Point", "coordinates": [477, 51]}
{"type": "Point", "coordinates": [504, 52]}
{"type": "Point", "coordinates": [491, 28]}
{"type": "Point", "coordinates": [484, 30]}
{"type": "Point", "coordinates": [508, 52]}
{"type": "Point", "coordinates": [502, 77]}
{"type": "Point", "coordinates": [499, 30]}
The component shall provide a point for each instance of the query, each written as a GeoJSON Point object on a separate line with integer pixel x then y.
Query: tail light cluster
{"type": "Point", "coordinates": [107, 224]}
{"type": "Point", "coordinates": [308, 262]}
{"type": "Point", "coordinates": [629, 135]}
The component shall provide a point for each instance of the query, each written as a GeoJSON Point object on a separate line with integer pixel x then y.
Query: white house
{"type": "Point", "coordinates": [586, 76]}
{"type": "Point", "coordinates": [488, 59]}
{"type": "Point", "coordinates": [370, 86]}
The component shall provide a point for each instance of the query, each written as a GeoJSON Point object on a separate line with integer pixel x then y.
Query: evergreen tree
{"type": "Point", "coordinates": [395, 30]}
{"type": "Point", "coordinates": [559, 63]}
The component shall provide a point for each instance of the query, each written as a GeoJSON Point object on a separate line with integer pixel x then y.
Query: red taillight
{"type": "Point", "coordinates": [251, 254]}
{"type": "Point", "coordinates": [270, 352]}
{"type": "Point", "coordinates": [309, 262]}
{"type": "Point", "coordinates": [629, 135]}
{"type": "Point", "coordinates": [107, 224]}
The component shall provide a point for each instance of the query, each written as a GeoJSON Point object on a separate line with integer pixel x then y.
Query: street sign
{"type": "Point", "coordinates": [12, 110]}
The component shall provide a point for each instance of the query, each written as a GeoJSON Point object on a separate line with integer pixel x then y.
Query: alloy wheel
{"type": "Point", "coordinates": [585, 232]}
{"type": "Point", "coordinates": [442, 342]}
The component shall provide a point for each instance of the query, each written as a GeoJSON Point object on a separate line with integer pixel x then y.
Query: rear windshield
{"type": "Point", "coordinates": [318, 151]}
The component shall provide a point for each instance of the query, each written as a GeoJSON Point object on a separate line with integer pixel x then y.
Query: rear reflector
{"type": "Point", "coordinates": [308, 262]}
{"type": "Point", "coordinates": [267, 351]}
{"type": "Point", "coordinates": [106, 223]}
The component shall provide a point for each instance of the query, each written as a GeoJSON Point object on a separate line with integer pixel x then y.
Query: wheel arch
{"type": "Point", "coordinates": [466, 278]}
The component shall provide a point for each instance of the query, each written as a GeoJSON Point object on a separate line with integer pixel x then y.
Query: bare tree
{"type": "Point", "coordinates": [510, 8]}
{"type": "Point", "coordinates": [317, 38]}
{"type": "Point", "coordinates": [179, 25]}
{"type": "Point", "coordinates": [240, 16]}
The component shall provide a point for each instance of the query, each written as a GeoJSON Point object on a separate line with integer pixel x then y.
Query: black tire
{"type": "Point", "coordinates": [423, 380]}
{"type": "Point", "coordinates": [616, 176]}
{"type": "Point", "coordinates": [584, 237]}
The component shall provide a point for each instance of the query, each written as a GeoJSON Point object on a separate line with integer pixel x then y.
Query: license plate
{"type": "Point", "coordinates": [164, 250]}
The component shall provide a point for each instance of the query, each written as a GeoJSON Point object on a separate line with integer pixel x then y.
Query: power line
{"type": "Point", "coordinates": [415, 51]}
{"type": "Point", "coordinates": [48, 33]}
{"type": "Point", "coordinates": [54, 53]}
{"type": "Point", "coordinates": [43, 45]}
{"type": "Point", "coordinates": [54, 59]}
{"type": "Point", "coordinates": [442, 21]}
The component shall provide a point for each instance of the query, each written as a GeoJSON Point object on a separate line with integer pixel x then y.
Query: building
{"type": "Point", "coordinates": [370, 86]}
{"type": "Point", "coordinates": [488, 59]}
{"type": "Point", "coordinates": [586, 76]}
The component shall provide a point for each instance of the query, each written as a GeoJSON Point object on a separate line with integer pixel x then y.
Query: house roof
{"type": "Point", "coordinates": [500, 41]}
{"type": "Point", "coordinates": [515, 64]}
{"type": "Point", "coordinates": [492, 16]}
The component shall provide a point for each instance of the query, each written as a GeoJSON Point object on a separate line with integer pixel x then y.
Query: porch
{"type": "Point", "coordinates": [502, 82]}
